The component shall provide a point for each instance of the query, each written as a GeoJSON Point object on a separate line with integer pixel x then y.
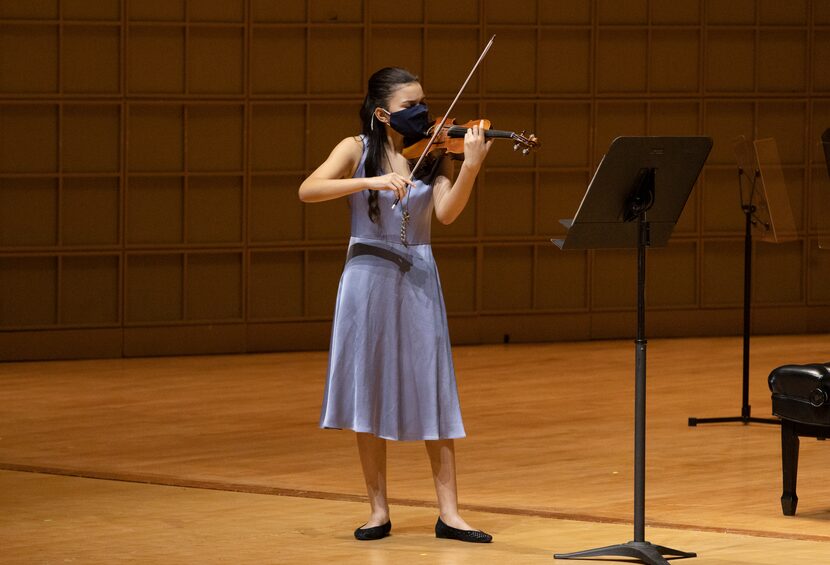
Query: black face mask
{"type": "Point", "coordinates": [412, 123]}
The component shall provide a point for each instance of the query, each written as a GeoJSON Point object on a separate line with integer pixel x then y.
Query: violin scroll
{"type": "Point", "coordinates": [525, 143]}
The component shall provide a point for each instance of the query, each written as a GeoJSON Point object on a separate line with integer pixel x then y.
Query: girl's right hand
{"type": "Point", "coordinates": [391, 181]}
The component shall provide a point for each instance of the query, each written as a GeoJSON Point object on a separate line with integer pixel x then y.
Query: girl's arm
{"type": "Point", "coordinates": [451, 198]}
{"type": "Point", "coordinates": [333, 178]}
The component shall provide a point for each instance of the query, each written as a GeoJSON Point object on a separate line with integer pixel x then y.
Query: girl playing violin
{"type": "Point", "coordinates": [390, 373]}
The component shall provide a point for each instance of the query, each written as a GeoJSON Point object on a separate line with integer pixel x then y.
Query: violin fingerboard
{"type": "Point", "coordinates": [460, 131]}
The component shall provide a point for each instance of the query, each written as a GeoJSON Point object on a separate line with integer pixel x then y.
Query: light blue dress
{"type": "Point", "coordinates": [390, 367]}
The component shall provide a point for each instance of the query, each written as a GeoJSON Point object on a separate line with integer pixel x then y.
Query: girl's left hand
{"type": "Point", "coordinates": [475, 147]}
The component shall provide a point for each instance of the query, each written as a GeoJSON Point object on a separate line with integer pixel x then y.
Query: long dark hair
{"type": "Point", "coordinates": [381, 86]}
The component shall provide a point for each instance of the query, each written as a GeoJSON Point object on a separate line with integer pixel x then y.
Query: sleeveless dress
{"type": "Point", "coordinates": [390, 369]}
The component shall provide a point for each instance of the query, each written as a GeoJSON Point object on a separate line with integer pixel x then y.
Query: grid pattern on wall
{"type": "Point", "coordinates": [150, 153]}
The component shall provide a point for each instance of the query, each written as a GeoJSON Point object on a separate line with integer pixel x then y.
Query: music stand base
{"type": "Point", "coordinates": [643, 551]}
{"type": "Point", "coordinates": [695, 421]}
{"type": "Point", "coordinates": [745, 418]}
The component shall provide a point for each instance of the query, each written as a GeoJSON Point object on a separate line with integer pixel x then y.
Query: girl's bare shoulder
{"type": "Point", "coordinates": [352, 144]}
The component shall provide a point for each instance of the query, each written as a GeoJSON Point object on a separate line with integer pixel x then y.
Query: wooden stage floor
{"type": "Point", "coordinates": [219, 460]}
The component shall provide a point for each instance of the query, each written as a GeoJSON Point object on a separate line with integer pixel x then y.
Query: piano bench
{"type": "Point", "coordinates": [801, 398]}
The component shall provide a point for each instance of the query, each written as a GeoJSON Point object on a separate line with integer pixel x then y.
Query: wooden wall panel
{"type": "Point", "coordinates": [818, 291]}
{"type": "Point", "coordinates": [819, 197]}
{"type": "Point", "coordinates": [275, 285]}
{"type": "Point", "coordinates": [465, 226]}
{"type": "Point", "coordinates": [723, 273]}
{"type": "Point", "coordinates": [216, 10]}
{"type": "Point", "coordinates": [150, 154]}
{"type": "Point", "coordinates": [322, 276]}
{"type": "Point", "coordinates": [720, 198]}
{"type": "Point", "coordinates": [457, 270]}
{"type": "Point", "coordinates": [387, 54]}
{"type": "Point", "coordinates": [29, 138]}
{"type": "Point", "coordinates": [677, 12]}
{"type": "Point", "coordinates": [736, 12]}
{"type": "Point", "coordinates": [335, 10]}
{"type": "Point", "coordinates": [821, 60]}
{"type": "Point", "coordinates": [28, 212]}
{"type": "Point", "coordinates": [672, 276]}
{"type": "Point", "coordinates": [782, 58]}
{"type": "Point", "coordinates": [561, 280]}
{"type": "Point", "coordinates": [614, 279]}
{"type": "Point", "coordinates": [89, 289]}
{"type": "Point", "coordinates": [621, 60]}
{"type": "Point", "coordinates": [679, 118]}
{"type": "Point", "coordinates": [154, 287]}
{"type": "Point", "coordinates": [215, 141]}
{"type": "Point", "coordinates": [25, 9]}
{"type": "Point", "coordinates": [507, 204]}
{"type": "Point", "coordinates": [518, 54]}
{"type": "Point", "coordinates": [510, 11]}
{"type": "Point", "coordinates": [160, 49]}
{"type": "Point", "coordinates": [91, 9]}
{"type": "Point", "coordinates": [155, 205]}
{"type": "Point", "coordinates": [336, 57]}
{"type": "Point", "coordinates": [28, 290]}
{"type": "Point", "coordinates": [576, 12]}
{"type": "Point", "coordinates": [275, 212]}
{"type": "Point", "coordinates": [674, 64]}
{"type": "Point", "coordinates": [564, 60]}
{"type": "Point", "coordinates": [214, 209]}
{"type": "Point", "coordinates": [278, 60]}
{"type": "Point", "coordinates": [273, 148]}
{"type": "Point", "coordinates": [90, 138]}
{"type": "Point", "coordinates": [507, 278]}
{"type": "Point", "coordinates": [558, 198]}
{"type": "Point", "coordinates": [613, 118]}
{"type": "Point", "coordinates": [778, 269]}
{"type": "Point", "coordinates": [90, 211]}
{"type": "Point", "coordinates": [215, 60]}
{"type": "Point", "coordinates": [566, 128]}
{"type": "Point", "coordinates": [29, 63]}
{"type": "Point", "coordinates": [91, 59]}
{"type": "Point", "coordinates": [156, 135]}
{"type": "Point", "coordinates": [463, 43]}
{"type": "Point", "coordinates": [157, 10]}
{"type": "Point", "coordinates": [213, 289]}
{"type": "Point", "coordinates": [611, 12]}
{"type": "Point", "coordinates": [736, 46]}
{"type": "Point", "coordinates": [793, 12]}
{"type": "Point", "coordinates": [459, 12]}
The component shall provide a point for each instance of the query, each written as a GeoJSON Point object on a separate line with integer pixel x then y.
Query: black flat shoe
{"type": "Point", "coordinates": [376, 532]}
{"type": "Point", "coordinates": [448, 532]}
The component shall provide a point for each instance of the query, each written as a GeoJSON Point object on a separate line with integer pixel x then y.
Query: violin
{"type": "Point", "coordinates": [450, 140]}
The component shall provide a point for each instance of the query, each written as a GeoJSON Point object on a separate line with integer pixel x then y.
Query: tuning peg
{"type": "Point", "coordinates": [526, 150]}
{"type": "Point", "coordinates": [516, 146]}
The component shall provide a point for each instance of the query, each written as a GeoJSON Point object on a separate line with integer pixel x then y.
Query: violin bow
{"type": "Point", "coordinates": [446, 114]}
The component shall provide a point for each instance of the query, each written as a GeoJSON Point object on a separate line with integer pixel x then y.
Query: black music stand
{"type": "Point", "coordinates": [768, 212]}
{"type": "Point", "coordinates": [634, 201]}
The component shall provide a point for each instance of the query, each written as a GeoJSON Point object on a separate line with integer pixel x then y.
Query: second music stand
{"type": "Point", "coordinates": [767, 211]}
